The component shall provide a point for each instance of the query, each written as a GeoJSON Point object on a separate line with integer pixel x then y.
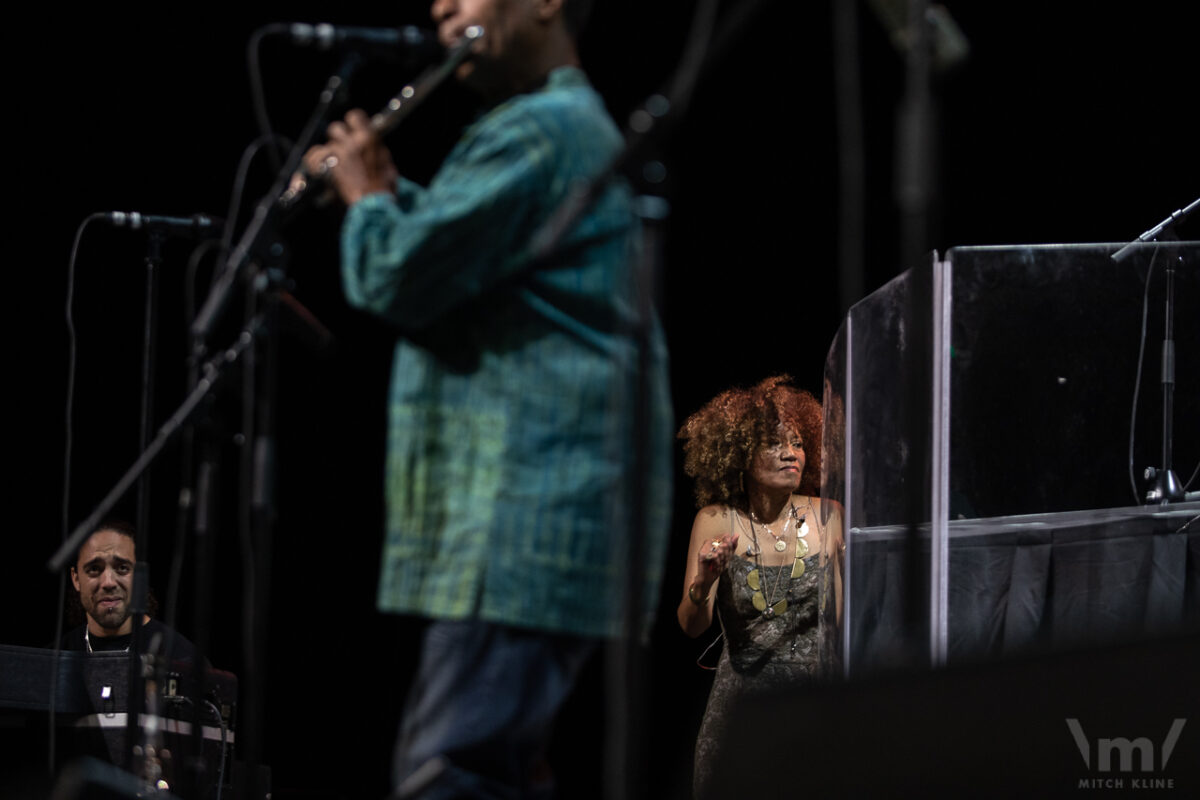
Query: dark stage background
{"type": "Point", "coordinates": [1066, 124]}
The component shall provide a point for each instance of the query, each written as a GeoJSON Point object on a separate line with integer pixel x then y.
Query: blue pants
{"type": "Point", "coordinates": [480, 712]}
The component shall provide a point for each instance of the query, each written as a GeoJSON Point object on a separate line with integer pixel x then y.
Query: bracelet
{"type": "Point", "coordinates": [693, 595]}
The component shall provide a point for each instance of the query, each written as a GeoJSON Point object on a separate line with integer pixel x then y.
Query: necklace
{"type": "Point", "coordinates": [802, 543]}
{"type": "Point", "coordinates": [801, 548]}
{"type": "Point", "coordinates": [87, 640]}
{"type": "Point", "coordinates": [781, 538]}
{"type": "Point", "coordinates": [760, 602]}
{"type": "Point", "coordinates": [754, 578]}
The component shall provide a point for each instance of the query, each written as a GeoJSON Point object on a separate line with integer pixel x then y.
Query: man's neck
{"type": "Point", "coordinates": [98, 631]}
{"type": "Point", "coordinates": [535, 73]}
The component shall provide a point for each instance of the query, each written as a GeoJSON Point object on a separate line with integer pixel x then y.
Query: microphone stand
{"type": "Point", "coordinates": [135, 756]}
{"type": "Point", "coordinates": [1166, 487]}
{"type": "Point", "coordinates": [154, 242]}
{"type": "Point", "coordinates": [204, 531]}
{"type": "Point", "coordinates": [251, 261]}
{"type": "Point", "coordinates": [257, 511]}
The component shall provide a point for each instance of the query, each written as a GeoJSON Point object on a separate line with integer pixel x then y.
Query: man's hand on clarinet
{"type": "Point", "coordinates": [354, 160]}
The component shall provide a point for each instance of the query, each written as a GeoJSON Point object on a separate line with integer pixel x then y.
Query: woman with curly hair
{"type": "Point", "coordinates": [754, 455]}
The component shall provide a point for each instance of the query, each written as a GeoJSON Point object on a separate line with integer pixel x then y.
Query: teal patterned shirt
{"type": "Point", "coordinates": [510, 452]}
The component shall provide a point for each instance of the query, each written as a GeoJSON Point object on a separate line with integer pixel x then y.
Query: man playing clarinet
{"type": "Point", "coordinates": [511, 450]}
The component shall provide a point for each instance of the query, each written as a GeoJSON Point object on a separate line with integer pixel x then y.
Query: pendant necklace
{"type": "Point", "coordinates": [780, 539]}
{"type": "Point", "coordinates": [801, 540]}
{"type": "Point", "coordinates": [755, 577]}
{"type": "Point", "coordinates": [801, 546]}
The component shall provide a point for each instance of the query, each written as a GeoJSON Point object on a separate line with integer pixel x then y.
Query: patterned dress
{"type": "Point", "coordinates": [762, 653]}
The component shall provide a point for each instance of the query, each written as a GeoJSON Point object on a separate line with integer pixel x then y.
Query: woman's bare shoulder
{"type": "Point", "coordinates": [712, 517]}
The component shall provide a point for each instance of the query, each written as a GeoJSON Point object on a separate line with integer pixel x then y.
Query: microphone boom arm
{"type": "Point", "coordinates": [399, 107]}
{"type": "Point", "coordinates": [283, 199]}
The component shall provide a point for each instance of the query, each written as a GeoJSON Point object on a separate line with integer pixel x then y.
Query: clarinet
{"type": "Point", "coordinates": [399, 107]}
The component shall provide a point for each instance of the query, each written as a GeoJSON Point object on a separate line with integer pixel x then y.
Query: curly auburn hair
{"type": "Point", "coordinates": [721, 439]}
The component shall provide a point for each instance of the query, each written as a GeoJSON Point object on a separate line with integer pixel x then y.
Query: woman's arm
{"type": "Point", "coordinates": [712, 545]}
{"type": "Point", "coordinates": [834, 548]}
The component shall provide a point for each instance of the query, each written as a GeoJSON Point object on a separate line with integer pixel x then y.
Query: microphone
{"type": "Point", "coordinates": [407, 40]}
{"type": "Point", "coordinates": [197, 225]}
{"type": "Point", "coordinates": [1156, 231]}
